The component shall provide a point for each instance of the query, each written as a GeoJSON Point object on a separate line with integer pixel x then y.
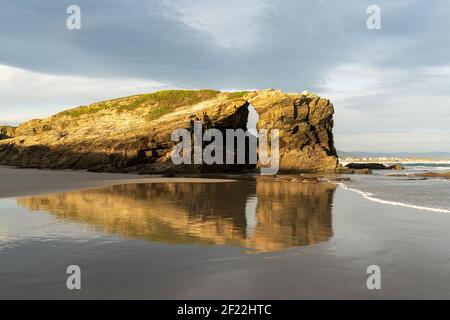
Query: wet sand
{"type": "Point", "coordinates": [122, 255]}
{"type": "Point", "coordinates": [16, 182]}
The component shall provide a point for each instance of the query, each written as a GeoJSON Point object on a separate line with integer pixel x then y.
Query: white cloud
{"type": "Point", "coordinates": [231, 23]}
{"type": "Point", "coordinates": [390, 109]}
{"type": "Point", "coordinates": [25, 94]}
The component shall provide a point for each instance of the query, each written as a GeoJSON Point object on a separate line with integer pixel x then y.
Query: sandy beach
{"type": "Point", "coordinates": [318, 246]}
{"type": "Point", "coordinates": [16, 182]}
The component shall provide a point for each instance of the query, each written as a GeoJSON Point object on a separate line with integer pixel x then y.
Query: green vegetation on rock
{"type": "Point", "coordinates": [167, 101]}
{"type": "Point", "coordinates": [237, 95]}
{"type": "Point", "coordinates": [76, 112]}
{"type": "Point", "coordinates": [160, 103]}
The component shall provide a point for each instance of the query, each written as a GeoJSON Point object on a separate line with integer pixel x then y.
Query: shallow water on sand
{"type": "Point", "coordinates": [430, 194]}
{"type": "Point", "coordinates": [238, 240]}
{"type": "Point", "coordinates": [257, 216]}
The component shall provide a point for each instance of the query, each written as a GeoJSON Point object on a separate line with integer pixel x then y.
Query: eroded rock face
{"type": "Point", "coordinates": [6, 132]}
{"type": "Point", "coordinates": [305, 122]}
{"type": "Point", "coordinates": [123, 135]}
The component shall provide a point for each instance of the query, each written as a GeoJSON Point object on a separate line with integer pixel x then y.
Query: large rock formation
{"type": "Point", "coordinates": [133, 134]}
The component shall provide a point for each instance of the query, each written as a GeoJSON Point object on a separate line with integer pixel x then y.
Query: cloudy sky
{"type": "Point", "coordinates": [390, 87]}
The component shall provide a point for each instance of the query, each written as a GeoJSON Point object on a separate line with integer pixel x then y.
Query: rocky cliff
{"type": "Point", "coordinates": [133, 134]}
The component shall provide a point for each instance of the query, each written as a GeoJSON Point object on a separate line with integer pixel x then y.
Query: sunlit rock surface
{"type": "Point", "coordinates": [133, 134]}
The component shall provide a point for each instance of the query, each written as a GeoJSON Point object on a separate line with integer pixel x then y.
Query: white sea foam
{"type": "Point", "coordinates": [370, 196]}
{"type": "Point", "coordinates": [425, 168]}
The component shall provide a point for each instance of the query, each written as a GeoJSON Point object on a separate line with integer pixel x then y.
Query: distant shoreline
{"type": "Point", "coordinates": [345, 161]}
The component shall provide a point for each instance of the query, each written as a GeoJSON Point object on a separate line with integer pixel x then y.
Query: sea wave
{"type": "Point", "coordinates": [370, 196]}
{"type": "Point", "coordinates": [428, 168]}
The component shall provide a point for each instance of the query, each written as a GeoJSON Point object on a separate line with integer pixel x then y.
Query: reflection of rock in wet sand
{"type": "Point", "coordinates": [262, 215]}
{"type": "Point", "coordinates": [292, 214]}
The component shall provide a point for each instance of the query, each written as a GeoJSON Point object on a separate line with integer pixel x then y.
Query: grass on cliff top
{"type": "Point", "coordinates": [237, 95]}
{"type": "Point", "coordinates": [161, 102]}
{"type": "Point", "coordinates": [167, 101]}
{"type": "Point", "coordinates": [76, 112]}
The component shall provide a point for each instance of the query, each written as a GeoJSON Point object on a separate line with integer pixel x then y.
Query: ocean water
{"type": "Point", "coordinates": [430, 194]}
